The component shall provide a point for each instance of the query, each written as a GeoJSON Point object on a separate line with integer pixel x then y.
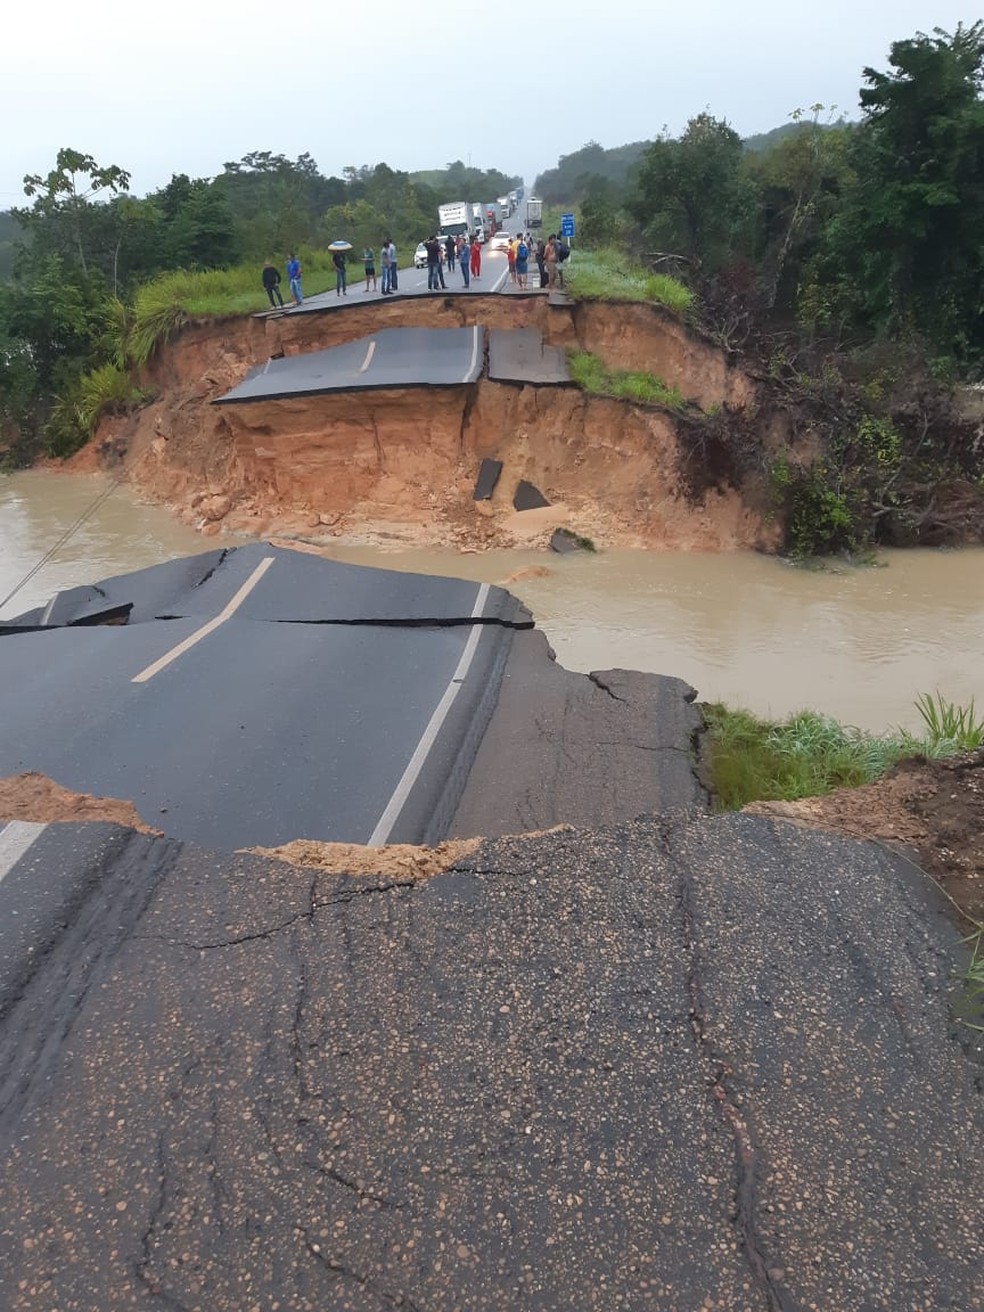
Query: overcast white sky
{"type": "Point", "coordinates": [182, 86]}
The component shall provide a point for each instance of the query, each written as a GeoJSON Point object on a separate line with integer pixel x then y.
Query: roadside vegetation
{"type": "Point", "coordinates": [611, 275]}
{"type": "Point", "coordinates": [808, 754]}
{"type": "Point", "coordinates": [841, 261]}
{"type": "Point", "coordinates": [591, 375]}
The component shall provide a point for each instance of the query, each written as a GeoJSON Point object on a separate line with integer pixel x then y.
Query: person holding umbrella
{"type": "Point", "coordinates": [338, 249]}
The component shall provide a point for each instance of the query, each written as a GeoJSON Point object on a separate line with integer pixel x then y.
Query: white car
{"type": "Point", "coordinates": [500, 242]}
{"type": "Point", "coordinates": [420, 257]}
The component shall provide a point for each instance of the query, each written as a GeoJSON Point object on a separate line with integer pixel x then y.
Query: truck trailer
{"type": "Point", "coordinates": [455, 217]}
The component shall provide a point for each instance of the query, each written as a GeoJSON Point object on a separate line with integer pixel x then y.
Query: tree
{"type": "Point", "coordinates": [694, 194]}
{"type": "Point", "coordinates": [63, 200]}
{"type": "Point", "coordinates": [802, 178]}
{"type": "Point", "coordinates": [905, 253]}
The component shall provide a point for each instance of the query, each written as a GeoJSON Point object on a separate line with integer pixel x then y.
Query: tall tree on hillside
{"type": "Point", "coordinates": [693, 196]}
{"type": "Point", "coordinates": [906, 253]}
{"type": "Point", "coordinates": [63, 214]}
{"type": "Point", "coordinates": [802, 178]}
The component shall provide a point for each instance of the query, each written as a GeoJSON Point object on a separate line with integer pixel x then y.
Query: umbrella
{"type": "Point", "coordinates": [340, 246]}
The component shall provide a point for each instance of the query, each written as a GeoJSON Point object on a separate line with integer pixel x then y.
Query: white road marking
{"type": "Point", "coordinates": [369, 354]}
{"type": "Point", "coordinates": [46, 615]}
{"type": "Point", "coordinates": [474, 359]}
{"type": "Point", "coordinates": [505, 275]}
{"type": "Point", "coordinates": [384, 826]}
{"type": "Point", "coordinates": [15, 839]}
{"type": "Point", "coordinates": [230, 609]}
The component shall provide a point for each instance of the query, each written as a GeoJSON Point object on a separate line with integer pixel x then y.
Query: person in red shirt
{"type": "Point", "coordinates": [511, 259]}
{"type": "Point", "coordinates": [476, 258]}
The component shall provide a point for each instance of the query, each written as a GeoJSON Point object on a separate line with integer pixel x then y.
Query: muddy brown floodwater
{"type": "Point", "coordinates": [859, 644]}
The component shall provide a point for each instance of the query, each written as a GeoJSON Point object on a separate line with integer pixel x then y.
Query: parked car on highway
{"type": "Point", "coordinates": [500, 242]}
{"type": "Point", "coordinates": [420, 257]}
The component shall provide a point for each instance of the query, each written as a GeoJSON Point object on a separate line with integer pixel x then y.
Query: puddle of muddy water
{"type": "Point", "coordinates": [859, 644]}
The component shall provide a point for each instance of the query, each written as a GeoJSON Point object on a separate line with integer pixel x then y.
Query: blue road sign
{"type": "Point", "coordinates": [567, 225]}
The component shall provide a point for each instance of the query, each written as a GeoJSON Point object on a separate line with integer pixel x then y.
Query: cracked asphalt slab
{"type": "Point", "coordinates": [699, 1063]}
{"type": "Point", "coordinates": [260, 695]}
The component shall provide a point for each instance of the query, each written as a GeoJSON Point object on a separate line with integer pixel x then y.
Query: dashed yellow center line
{"type": "Point", "coordinates": [226, 613]}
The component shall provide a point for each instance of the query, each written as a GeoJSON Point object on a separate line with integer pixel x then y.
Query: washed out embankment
{"type": "Point", "coordinates": [404, 460]}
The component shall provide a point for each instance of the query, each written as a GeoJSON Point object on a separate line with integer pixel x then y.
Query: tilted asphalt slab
{"type": "Point", "coordinates": [393, 357]}
{"type": "Point", "coordinates": [681, 1064]}
{"type": "Point", "coordinates": [590, 750]}
{"type": "Point", "coordinates": [288, 697]}
{"type": "Point", "coordinates": [519, 355]}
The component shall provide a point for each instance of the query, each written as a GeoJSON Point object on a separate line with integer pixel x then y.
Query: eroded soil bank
{"type": "Point", "coordinates": [402, 463]}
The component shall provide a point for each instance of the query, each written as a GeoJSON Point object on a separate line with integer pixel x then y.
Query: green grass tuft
{"type": "Point", "coordinates": [949, 728]}
{"type": "Point", "coordinates": [165, 304]}
{"type": "Point", "coordinates": [590, 374]}
{"type": "Point", "coordinates": [77, 411]}
{"type": "Point", "coordinates": [608, 275]}
{"type": "Point", "coordinates": [808, 754]}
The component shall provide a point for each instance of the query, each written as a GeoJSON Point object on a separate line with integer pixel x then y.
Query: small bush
{"type": "Point", "coordinates": [76, 413]}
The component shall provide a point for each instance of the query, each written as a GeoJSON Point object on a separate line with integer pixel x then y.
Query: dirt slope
{"type": "Point", "coordinates": [403, 461]}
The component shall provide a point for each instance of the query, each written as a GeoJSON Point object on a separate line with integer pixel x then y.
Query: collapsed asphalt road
{"type": "Point", "coordinates": [254, 696]}
{"type": "Point", "coordinates": [700, 1064]}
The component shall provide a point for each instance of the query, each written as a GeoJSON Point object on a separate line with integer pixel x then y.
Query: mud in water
{"type": "Point", "coordinates": [750, 630]}
{"type": "Point", "coordinates": [743, 628]}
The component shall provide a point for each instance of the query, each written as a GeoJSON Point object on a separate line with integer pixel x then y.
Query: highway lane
{"type": "Point", "coordinates": [412, 282]}
{"type": "Point", "coordinates": [243, 723]}
{"type": "Point", "coordinates": [304, 588]}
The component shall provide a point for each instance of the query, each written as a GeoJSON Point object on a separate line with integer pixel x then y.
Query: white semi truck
{"type": "Point", "coordinates": [456, 217]}
{"type": "Point", "coordinates": [478, 219]}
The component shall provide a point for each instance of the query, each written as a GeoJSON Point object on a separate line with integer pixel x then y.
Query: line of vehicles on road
{"type": "Point", "coordinates": [475, 219]}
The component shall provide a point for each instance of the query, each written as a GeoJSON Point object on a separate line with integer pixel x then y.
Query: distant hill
{"type": "Point", "coordinates": [763, 141]}
{"type": "Point", "coordinates": [594, 169]}
{"type": "Point", "coordinates": [588, 169]}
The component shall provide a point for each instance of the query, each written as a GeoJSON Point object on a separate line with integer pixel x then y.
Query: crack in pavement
{"type": "Point", "coordinates": [337, 899]}
{"type": "Point", "coordinates": [338, 1268]}
{"type": "Point", "coordinates": [747, 1155]}
{"type": "Point", "coordinates": [599, 682]}
{"type": "Point", "coordinates": [208, 574]}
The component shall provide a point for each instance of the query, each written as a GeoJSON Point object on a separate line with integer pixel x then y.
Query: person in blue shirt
{"type": "Point", "coordinates": [294, 278]}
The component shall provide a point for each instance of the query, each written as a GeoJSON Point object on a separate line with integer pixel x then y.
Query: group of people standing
{"type": "Point", "coordinates": [549, 255]}
{"type": "Point", "coordinates": [387, 264]}
{"type": "Point", "coordinates": [461, 250]}
{"type": "Point", "coordinates": [271, 281]}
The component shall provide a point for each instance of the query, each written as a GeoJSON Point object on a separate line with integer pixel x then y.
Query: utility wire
{"type": "Point", "coordinates": [69, 533]}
